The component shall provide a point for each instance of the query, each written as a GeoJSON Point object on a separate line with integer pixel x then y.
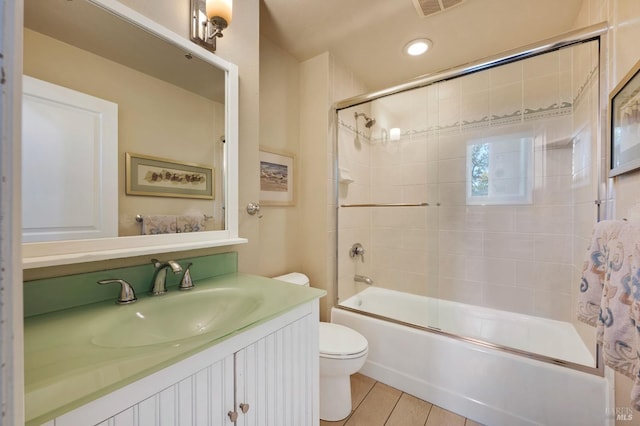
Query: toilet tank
{"type": "Point", "coordinates": [294, 278]}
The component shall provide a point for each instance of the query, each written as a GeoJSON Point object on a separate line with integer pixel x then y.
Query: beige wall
{"type": "Point", "coordinates": [281, 249]}
{"type": "Point", "coordinates": [314, 122]}
{"type": "Point", "coordinates": [623, 49]}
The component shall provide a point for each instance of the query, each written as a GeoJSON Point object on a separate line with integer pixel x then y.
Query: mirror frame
{"type": "Point", "coordinates": [35, 255]}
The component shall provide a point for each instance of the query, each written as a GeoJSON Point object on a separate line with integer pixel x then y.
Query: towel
{"type": "Point", "coordinates": [190, 223]}
{"type": "Point", "coordinates": [593, 271]}
{"type": "Point", "coordinates": [609, 297]}
{"type": "Point", "coordinates": [158, 224]}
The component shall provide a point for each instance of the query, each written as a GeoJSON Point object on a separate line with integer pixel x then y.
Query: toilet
{"type": "Point", "coordinates": [343, 352]}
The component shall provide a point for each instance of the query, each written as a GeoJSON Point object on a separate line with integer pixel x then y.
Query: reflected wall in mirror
{"type": "Point", "coordinates": [171, 104]}
{"type": "Point", "coordinates": [174, 100]}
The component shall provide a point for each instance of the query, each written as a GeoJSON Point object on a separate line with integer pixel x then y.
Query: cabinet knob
{"type": "Point", "coordinates": [233, 416]}
{"type": "Point", "coordinates": [244, 407]}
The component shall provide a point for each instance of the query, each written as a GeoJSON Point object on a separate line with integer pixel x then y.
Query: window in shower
{"type": "Point", "coordinates": [479, 168]}
{"type": "Point", "coordinates": [500, 170]}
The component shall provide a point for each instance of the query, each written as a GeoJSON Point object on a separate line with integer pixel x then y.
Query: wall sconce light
{"type": "Point", "coordinates": [208, 19]}
{"type": "Point", "coordinates": [394, 133]}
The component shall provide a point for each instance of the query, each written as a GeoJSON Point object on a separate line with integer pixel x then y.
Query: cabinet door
{"type": "Point", "coordinates": [275, 377]}
{"type": "Point", "coordinates": [203, 398]}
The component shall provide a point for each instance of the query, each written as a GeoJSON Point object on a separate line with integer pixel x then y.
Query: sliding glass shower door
{"type": "Point", "coordinates": [477, 190]}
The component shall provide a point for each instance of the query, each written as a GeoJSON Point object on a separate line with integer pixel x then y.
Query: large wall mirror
{"type": "Point", "coordinates": [129, 137]}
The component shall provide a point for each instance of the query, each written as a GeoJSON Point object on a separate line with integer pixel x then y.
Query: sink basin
{"type": "Point", "coordinates": [174, 317]}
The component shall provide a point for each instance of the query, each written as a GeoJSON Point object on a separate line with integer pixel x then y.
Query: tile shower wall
{"type": "Point", "coordinates": [585, 158]}
{"type": "Point", "coordinates": [517, 257]}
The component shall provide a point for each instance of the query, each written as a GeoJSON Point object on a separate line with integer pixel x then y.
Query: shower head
{"type": "Point", "coordinates": [368, 121]}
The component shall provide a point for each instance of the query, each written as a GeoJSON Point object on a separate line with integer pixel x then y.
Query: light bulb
{"type": "Point", "coordinates": [220, 8]}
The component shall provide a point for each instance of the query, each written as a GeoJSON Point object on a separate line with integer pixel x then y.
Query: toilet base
{"type": "Point", "coordinates": [335, 397]}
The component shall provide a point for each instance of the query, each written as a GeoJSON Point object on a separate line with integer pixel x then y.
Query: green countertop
{"type": "Point", "coordinates": [65, 368]}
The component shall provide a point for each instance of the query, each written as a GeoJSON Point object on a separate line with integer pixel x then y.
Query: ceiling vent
{"type": "Point", "coordinates": [431, 7]}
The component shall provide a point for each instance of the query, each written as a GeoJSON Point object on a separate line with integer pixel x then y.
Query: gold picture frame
{"type": "Point", "coordinates": [277, 178]}
{"type": "Point", "coordinates": [161, 177]}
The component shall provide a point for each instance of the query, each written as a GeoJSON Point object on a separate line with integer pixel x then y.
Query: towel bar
{"type": "Point", "coordinates": [139, 218]}
{"type": "Point", "coordinates": [387, 205]}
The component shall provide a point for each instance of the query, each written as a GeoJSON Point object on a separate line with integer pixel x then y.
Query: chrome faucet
{"type": "Point", "coordinates": [159, 282]}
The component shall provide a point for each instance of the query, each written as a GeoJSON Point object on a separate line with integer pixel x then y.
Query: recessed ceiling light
{"type": "Point", "coordinates": [417, 47]}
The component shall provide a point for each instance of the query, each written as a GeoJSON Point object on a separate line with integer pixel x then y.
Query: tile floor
{"type": "Point", "coordinates": [376, 404]}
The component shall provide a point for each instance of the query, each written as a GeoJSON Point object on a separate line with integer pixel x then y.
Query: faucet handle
{"type": "Point", "coordinates": [127, 295]}
{"type": "Point", "coordinates": [186, 283]}
{"type": "Point", "coordinates": [357, 250]}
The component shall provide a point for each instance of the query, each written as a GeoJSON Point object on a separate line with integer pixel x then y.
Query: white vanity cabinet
{"type": "Point", "coordinates": [270, 370]}
{"type": "Point", "coordinates": [274, 377]}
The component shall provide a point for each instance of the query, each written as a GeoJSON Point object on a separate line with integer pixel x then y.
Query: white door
{"type": "Point", "coordinates": [69, 164]}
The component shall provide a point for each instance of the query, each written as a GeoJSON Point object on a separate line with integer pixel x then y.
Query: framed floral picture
{"type": "Point", "coordinates": [161, 177]}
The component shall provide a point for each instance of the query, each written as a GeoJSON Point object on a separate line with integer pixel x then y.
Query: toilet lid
{"type": "Point", "coordinates": [336, 339]}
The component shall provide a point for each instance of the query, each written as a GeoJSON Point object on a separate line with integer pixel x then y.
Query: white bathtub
{"type": "Point", "coordinates": [488, 385]}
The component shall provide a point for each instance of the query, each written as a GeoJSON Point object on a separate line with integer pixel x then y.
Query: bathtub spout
{"type": "Point", "coordinates": [363, 279]}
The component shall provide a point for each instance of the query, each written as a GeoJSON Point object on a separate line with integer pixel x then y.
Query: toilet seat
{"type": "Point", "coordinates": [340, 342]}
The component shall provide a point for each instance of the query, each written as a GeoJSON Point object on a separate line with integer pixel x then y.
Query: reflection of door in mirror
{"type": "Point", "coordinates": [69, 147]}
{"type": "Point", "coordinates": [170, 105]}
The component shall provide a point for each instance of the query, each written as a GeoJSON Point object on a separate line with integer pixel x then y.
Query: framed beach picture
{"type": "Point", "coordinates": [276, 178]}
{"type": "Point", "coordinates": [624, 124]}
{"type": "Point", "coordinates": [161, 177]}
